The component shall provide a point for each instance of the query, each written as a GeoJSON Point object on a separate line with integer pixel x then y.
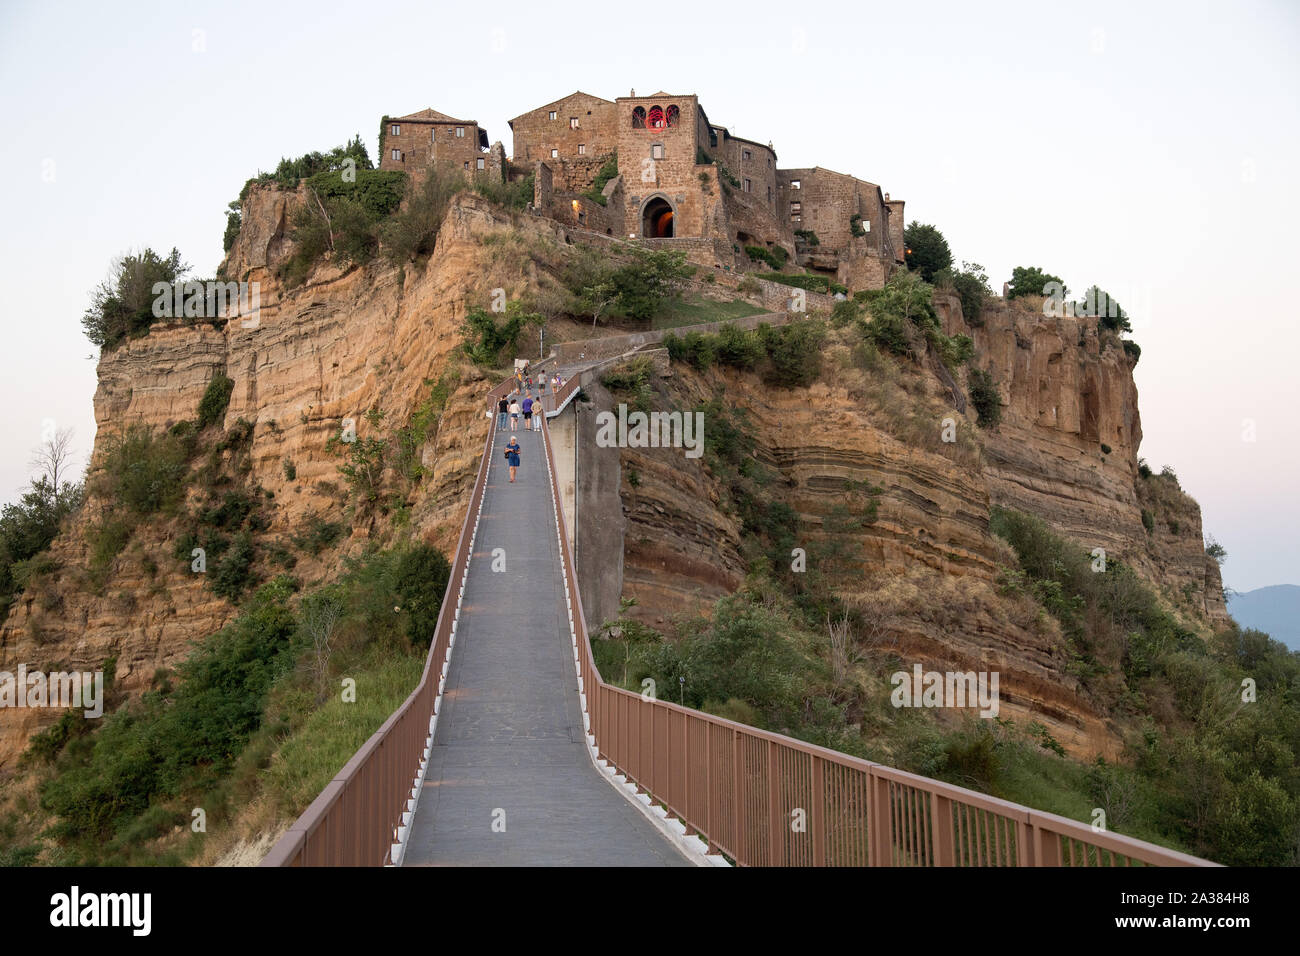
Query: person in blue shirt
{"type": "Point", "coordinates": [512, 456]}
{"type": "Point", "coordinates": [528, 413]}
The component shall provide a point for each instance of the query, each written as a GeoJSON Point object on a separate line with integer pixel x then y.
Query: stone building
{"type": "Point", "coordinates": [654, 168]}
{"type": "Point", "coordinates": [416, 141]}
{"type": "Point", "coordinates": [849, 226]}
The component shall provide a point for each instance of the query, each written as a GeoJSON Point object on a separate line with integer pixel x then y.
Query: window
{"type": "Point", "coordinates": [796, 219]}
{"type": "Point", "coordinates": [479, 162]}
{"type": "Point", "coordinates": [674, 114]}
{"type": "Point", "coordinates": [744, 154]}
{"type": "Point", "coordinates": [769, 193]}
{"type": "Point", "coordinates": [748, 186]}
{"type": "Point", "coordinates": [397, 155]}
{"type": "Point", "coordinates": [555, 154]}
{"type": "Point", "coordinates": [467, 164]}
{"type": "Point", "coordinates": [657, 151]}
{"type": "Point", "coordinates": [794, 184]}
{"type": "Point", "coordinates": [582, 149]}
{"type": "Point", "coordinates": [796, 208]}
{"type": "Point", "coordinates": [395, 129]}
{"type": "Point", "coordinates": [769, 162]}
{"type": "Point", "coordinates": [460, 132]}
{"type": "Point", "coordinates": [573, 122]}
{"type": "Point", "coordinates": [552, 116]}
{"type": "Point", "coordinates": [638, 118]}
{"type": "Point", "coordinates": [655, 118]}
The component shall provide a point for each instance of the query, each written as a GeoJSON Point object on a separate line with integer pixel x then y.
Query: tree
{"type": "Point", "coordinates": [51, 458]}
{"type": "Point", "coordinates": [1031, 280]}
{"type": "Point", "coordinates": [596, 299]}
{"type": "Point", "coordinates": [927, 250]}
{"type": "Point", "coordinates": [1099, 303]}
{"type": "Point", "coordinates": [1215, 550]}
{"type": "Point", "coordinates": [972, 286]}
{"type": "Point", "coordinates": [122, 304]}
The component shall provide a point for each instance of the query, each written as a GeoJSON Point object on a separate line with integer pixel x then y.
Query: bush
{"type": "Point", "coordinates": [320, 534]}
{"type": "Point", "coordinates": [808, 236]}
{"type": "Point", "coordinates": [1031, 280]}
{"type": "Point", "coordinates": [927, 250]}
{"type": "Point", "coordinates": [972, 286]}
{"type": "Point", "coordinates": [142, 472]}
{"type": "Point", "coordinates": [484, 337]}
{"type": "Point", "coordinates": [511, 195]}
{"type": "Point", "coordinates": [234, 571]}
{"type": "Point", "coordinates": [1148, 521]}
{"type": "Point", "coordinates": [122, 305]}
{"type": "Point", "coordinates": [412, 233]}
{"type": "Point", "coordinates": [776, 257]}
{"type": "Point", "coordinates": [985, 398]}
{"type": "Point", "coordinates": [155, 747]}
{"type": "Point", "coordinates": [794, 353]}
{"type": "Point", "coordinates": [607, 172]}
{"type": "Point", "coordinates": [809, 282]}
{"type": "Point", "coordinates": [1132, 350]}
{"type": "Point", "coordinates": [215, 400]}
{"type": "Point", "coordinates": [421, 582]}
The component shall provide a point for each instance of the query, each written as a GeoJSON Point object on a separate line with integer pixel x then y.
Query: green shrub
{"type": "Point", "coordinates": [1132, 350]}
{"type": "Point", "coordinates": [122, 305]}
{"type": "Point", "coordinates": [143, 472]}
{"type": "Point", "coordinates": [410, 235]}
{"type": "Point", "coordinates": [985, 398]}
{"type": "Point", "coordinates": [808, 236]}
{"type": "Point", "coordinates": [738, 347]}
{"type": "Point", "coordinates": [926, 250]}
{"type": "Point", "coordinates": [511, 195]}
{"type": "Point", "coordinates": [1031, 280]}
{"type": "Point", "coordinates": [233, 573]}
{"type": "Point", "coordinates": [794, 353]}
{"type": "Point", "coordinates": [607, 172]}
{"type": "Point", "coordinates": [484, 337]}
{"type": "Point", "coordinates": [215, 400]}
{"type": "Point", "coordinates": [776, 257]}
{"type": "Point", "coordinates": [1148, 521]}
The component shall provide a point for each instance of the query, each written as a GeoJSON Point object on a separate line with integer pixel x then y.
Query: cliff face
{"type": "Point", "coordinates": [334, 348]}
{"type": "Point", "coordinates": [373, 337]}
{"type": "Point", "coordinates": [928, 564]}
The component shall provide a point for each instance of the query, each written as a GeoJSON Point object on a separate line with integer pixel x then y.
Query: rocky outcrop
{"type": "Point", "coordinates": [346, 342]}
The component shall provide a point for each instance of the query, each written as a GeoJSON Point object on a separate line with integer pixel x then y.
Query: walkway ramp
{"type": "Point", "coordinates": [510, 780]}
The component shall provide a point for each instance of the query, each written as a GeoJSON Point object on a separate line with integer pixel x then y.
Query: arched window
{"type": "Point", "coordinates": [638, 118]}
{"type": "Point", "coordinates": [655, 118]}
{"type": "Point", "coordinates": [674, 114]}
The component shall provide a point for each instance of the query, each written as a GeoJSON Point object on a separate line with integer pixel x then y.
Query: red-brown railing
{"type": "Point", "coordinates": [758, 797]}
{"type": "Point", "coordinates": [356, 819]}
{"type": "Point", "coordinates": [768, 800]}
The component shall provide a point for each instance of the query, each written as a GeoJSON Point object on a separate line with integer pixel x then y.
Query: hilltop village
{"type": "Point", "coordinates": [654, 168]}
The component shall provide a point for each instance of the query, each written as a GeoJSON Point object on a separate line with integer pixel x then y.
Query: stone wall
{"type": "Point", "coordinates": [425, 142]}
{"type": "Point", "coordinates": [536, 134]}
{"type": "Point", "coordinates": [589, 350]}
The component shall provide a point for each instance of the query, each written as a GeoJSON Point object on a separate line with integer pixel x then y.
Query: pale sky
{"type": "Point", "coordinates": [1151, 148]}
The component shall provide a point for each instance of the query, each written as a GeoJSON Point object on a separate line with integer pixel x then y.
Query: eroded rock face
{"type": "Point", "coordinates": [928, 563]}
{"type": "Point", "coordinates": [345, 342]}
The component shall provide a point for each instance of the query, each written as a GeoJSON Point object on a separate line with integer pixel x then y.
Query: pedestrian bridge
{"type": "Point", "coordinates": [513, 751]}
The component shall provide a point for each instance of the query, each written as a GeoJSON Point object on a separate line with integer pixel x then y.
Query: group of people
{"type": "Point", "coordinates": [511, 408]}
{"type": "Point", "coordinates": [522, 403]}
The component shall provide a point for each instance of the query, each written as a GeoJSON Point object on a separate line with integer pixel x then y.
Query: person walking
{"type": "Point", "coordinates": [514, 413]}
{"type": "Point", "coordinates": [528, 413]}
{"type": "Point", "coordinates": [503, 407]}
{"type": "Point", "coordinates": [512, 456]}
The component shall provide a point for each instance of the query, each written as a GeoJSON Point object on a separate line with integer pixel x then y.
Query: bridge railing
{"type": "Point", "coordinates": [764, 799]}
{"type": "Point", "coordinates": [357, 817]}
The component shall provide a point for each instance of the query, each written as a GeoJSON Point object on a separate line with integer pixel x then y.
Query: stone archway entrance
{"type": "Point", "coordinates": [657, 219]}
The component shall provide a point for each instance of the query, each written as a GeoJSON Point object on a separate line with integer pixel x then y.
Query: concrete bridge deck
{"type": "Point", "coordinates": [509, 747]}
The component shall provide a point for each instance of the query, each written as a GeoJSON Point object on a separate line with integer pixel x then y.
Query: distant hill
{"type": "Point", "coordinates": [1275, 610]}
